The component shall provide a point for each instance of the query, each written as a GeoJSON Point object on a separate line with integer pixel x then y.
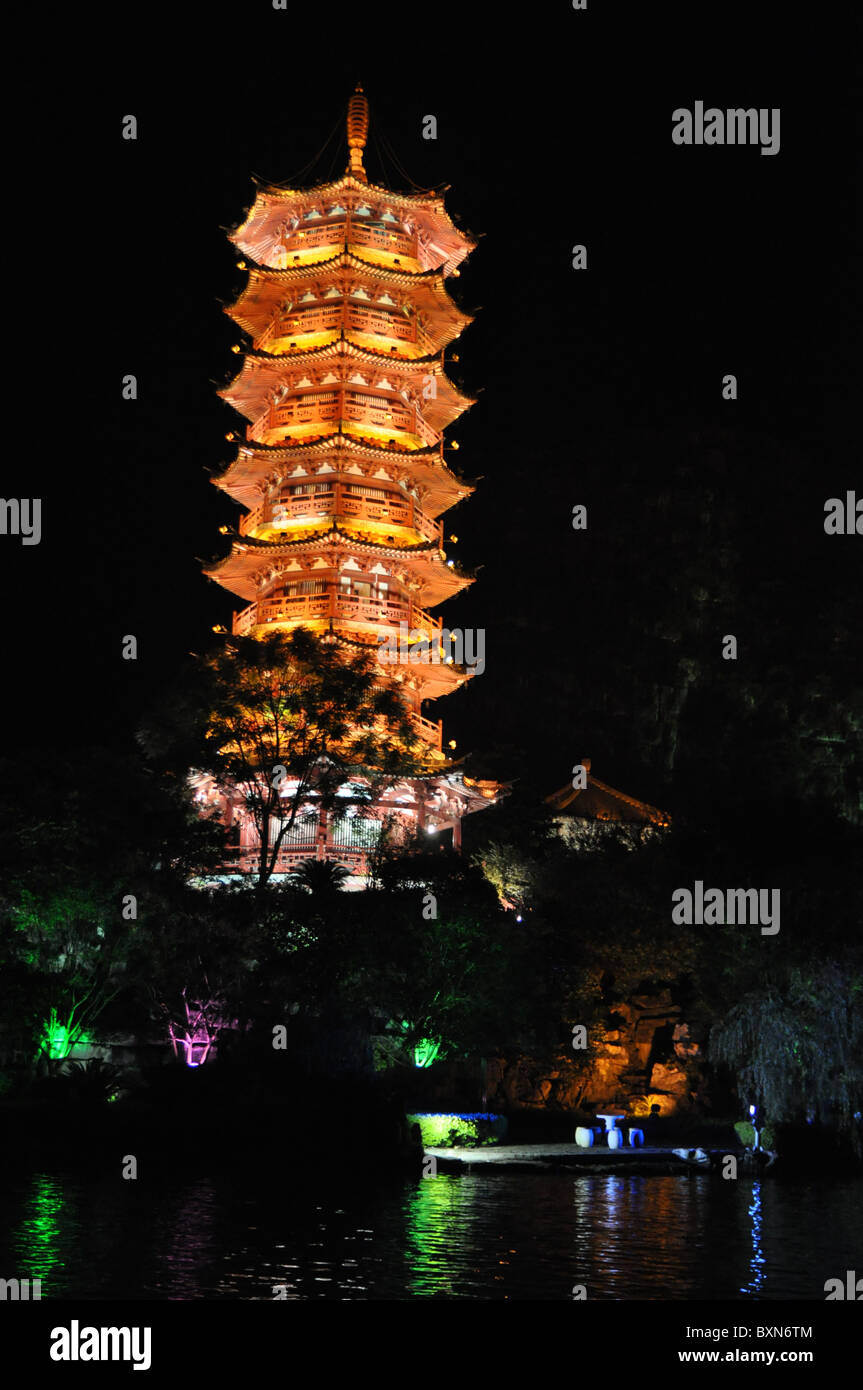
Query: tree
{"type": "Point", "coordinates": [795, 1046]}
{"type": "Point", "coordinates": [96, 818]}
{"type": "Point", "coordinates": [66, 950]}
{"type": "Point", "coordinates": [320, 876]}
{"type": "Point", "coordinates": [90, 842]}
{"type": "Point", "coordinates": [192, 966]}
{"type": "Point", "coordinates": [290, 721]}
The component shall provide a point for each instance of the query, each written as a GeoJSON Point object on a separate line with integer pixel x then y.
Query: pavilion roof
{"type": "Point", "coordinates": [480, 792]}
{"type": "Point", "coordinates": [598, 801]}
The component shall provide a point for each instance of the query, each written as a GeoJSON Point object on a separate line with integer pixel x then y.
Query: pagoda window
{"type": "Point", "coordinates": [363, 211]}
{"type": "Point", "coordinates": [302, 832]}
{"type": "Point", "coordinates": [301, 586]}
{"type": "Point", "coordinates": [306, 489]}
{"type": "Point", "coordinates": [360, 490]}
{"type": "Point", "coordinates": [364, 588]}
{"type": "Point", "coordinates": [352, 832]}
{"type": "Point", "coordinates": [360, 588]}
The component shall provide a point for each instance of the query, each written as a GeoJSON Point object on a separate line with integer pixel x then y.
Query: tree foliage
{"type": "Point", "coordinates": [64, 954]}
{"type": "Point", "coordinates": [290, 721]}
{"type": "Point", "coordinates": [796, 1046]}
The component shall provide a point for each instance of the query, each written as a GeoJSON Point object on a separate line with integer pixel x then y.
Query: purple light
{"type": "Point", "coordinates": [193, 1038]}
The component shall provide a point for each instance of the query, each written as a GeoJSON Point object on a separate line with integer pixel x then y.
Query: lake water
{"type": "Point", "coordinates": [486, 1235]}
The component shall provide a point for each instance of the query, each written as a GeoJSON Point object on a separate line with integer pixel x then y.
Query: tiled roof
{"type": "Point", "coordinates": [598, 801]}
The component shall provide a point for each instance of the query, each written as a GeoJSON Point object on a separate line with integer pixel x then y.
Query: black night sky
{"type": "Point", "coordinates": [600, 387]}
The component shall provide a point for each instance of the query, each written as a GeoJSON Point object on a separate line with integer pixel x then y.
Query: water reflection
{"type": "Point", "coordinates": [438, 1216]}
{"type": "Point", "coordinates": [187, 1241]}
{"type": "Point", "coordinates": [479, 1235]}
{"type": "Point", "coordinates": [37, 1239]}
{"type": "Point", "coordinates": [757, 1263]}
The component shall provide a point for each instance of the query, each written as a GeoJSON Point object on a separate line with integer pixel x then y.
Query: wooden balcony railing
{"type": "Point", "coordinates": [336, 317]}
{"type": "Point", "coordinates": [318, 318]}
{"type": "Point", "coordinates": [381, 239]}
{"type": "Point", "coordinates": [354, 408]}
{"type": "Point", "coordinates": [334, 604]}
{"type": "Point", "coordinates": [247, 860]}
{"type": "Point", "coordinates": [327, 420]}
{"type": "Point", "coordinates": [351, 231]}
{"type": "Point", "coordinates": [384, 323]}
{"type": "Point", "coordinates": [383, 415]}
{"type": "Point", "coordinates": [311, 237]}
{"type": "Point", "coordinates": [300, 608]}
{"type": "Point", "coordinates": [428, 730]}
{"type": "Point", "coordinates": [339, 503]}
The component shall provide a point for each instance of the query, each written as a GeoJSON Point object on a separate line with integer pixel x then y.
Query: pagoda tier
{"type": "Point", "coordinates": [401, 315]}
{"type": "Point", "coordinates": [380, 511]}
{"type": "Point", "coordinates": [262, 474]}
{"type": "Point", "coordinates": [289, 227]}
{"type": "Point", "coordinates": [341, 388]}
{"type": "Point", "coordinates": [253, 566]}
{"type": "Point", "coordinates": [341, 469]}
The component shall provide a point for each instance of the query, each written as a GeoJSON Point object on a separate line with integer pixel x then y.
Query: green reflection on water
{"type": "Point", "coordinates": [436, 1208]}
{"type": "Point", "coordinates": [38, 1234]}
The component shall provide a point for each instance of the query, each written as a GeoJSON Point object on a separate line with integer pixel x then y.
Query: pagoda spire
{"type": "Point", "coordinates": [358, 130]}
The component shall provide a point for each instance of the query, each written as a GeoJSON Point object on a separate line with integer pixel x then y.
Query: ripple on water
{"type": "Point", "coordinates": [482, 1235]}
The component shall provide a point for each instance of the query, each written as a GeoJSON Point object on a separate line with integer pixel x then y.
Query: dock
{"type": "Point", "coordinates": [552, 1156]}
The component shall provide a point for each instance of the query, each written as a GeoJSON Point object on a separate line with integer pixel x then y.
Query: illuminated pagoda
{"type": "Point", "coordinates": [342, 468]}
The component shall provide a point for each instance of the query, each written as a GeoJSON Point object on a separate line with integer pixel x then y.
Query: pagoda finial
{"type": "Point", "coordinates": [358, 129]}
